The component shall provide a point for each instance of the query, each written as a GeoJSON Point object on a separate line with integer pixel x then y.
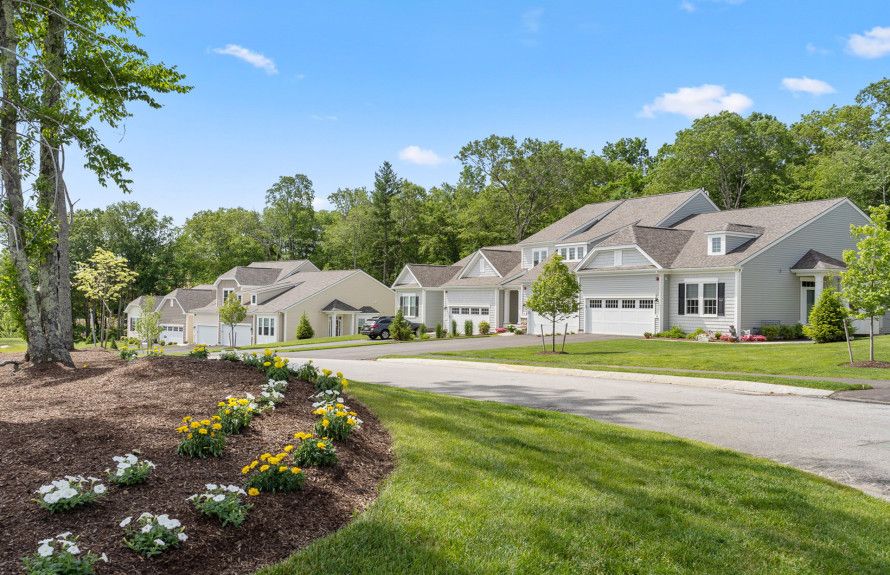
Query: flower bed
{"type": "Point", "coordinates": [62, 422]}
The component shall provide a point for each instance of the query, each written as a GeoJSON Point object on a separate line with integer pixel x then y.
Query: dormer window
{"type": "Point", "coordinates": [716, 245]}
{"type": "Point", "coordinates": [225, 294]}
{"type": "Point", "coordinates": [538, 256]}
{"type": "Point", "coordinates": [253, 299]}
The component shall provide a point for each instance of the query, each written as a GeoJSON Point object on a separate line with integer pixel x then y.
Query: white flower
{"type": "Point", "coordinates": [45, 550]}
{"type": "Point", "coordinates": [131, 459]}
{"type": "Point", "coordinates": [182, 536]}
{"type": "Point", "coordinates": [145, 515]}
{"type": "Point", "coordinates": [233, 489]}
{"type": "Point", "coordinates": [219, 497]}
{"type": "Point", "coordinates": [211, 486]}
{"type": "Point", "coordinates": [146, 528]}
{"type": "Point", "coordinates": [103, 558]}
{"type": "Point", "coordinates": [126, 521]}
{"type": "Point", "coordinates": [73, 549]}
{"type": "Point", "coordinates": [45, 489]}
{"type": "Point", "coordinates": [159, 542]}
{"type": "Point", "coordinates": [99, 489]}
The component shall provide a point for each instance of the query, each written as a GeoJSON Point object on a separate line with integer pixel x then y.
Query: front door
{"type": "Point", "coordinates": [339, 329]}
{"type": "Point", "coordinates": [807, 300]}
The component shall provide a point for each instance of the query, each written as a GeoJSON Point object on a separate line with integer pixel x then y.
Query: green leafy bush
{"type": "Point", "coordinates": [314, 451]}
{"type": "Point", "coordinates": [234, 414]}
{"type": "Point", "coordinates": [454, 328]}
{"type": "Point", "coordinates": [199, 351]}
{"type": "Point", "coordinates": [70, 492]}
{"type": "Point", "coordinates": [224, 502]}
{"type": "Point", "coordinates": [229, 356]}
{"type": "Point", "coordinates": [306, 372]}
{"type": "Point", "coordinates": [675, 332]}
{"type": "Point", "coordinates": [271, 474]}
{"type": "Point", "coordinates": [694, 335]}
{"type": "Point", "coordinates": [127, 353]}
{"type": "Point", "coordinates": [336, 420]}
{"type": "Point", "coordinates": [400, 329]}
{"type": "Point", "coordinates": [328, 381]}
{"type": "Point", "coordinates": [468, 327]}
{"type": "Point", "coordinates": [304, 328]}
{"type": "Point", "coordinates": [779, 332]}
{"type": "Point", "coordinates": [484, 327]}
{"type": "Point", "coordinates": [440, 331]}
{"type": "Point", "coordinates": [827, 318]}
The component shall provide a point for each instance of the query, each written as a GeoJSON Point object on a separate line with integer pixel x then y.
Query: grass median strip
{"type": "Point", "coordinates": [487, 488]}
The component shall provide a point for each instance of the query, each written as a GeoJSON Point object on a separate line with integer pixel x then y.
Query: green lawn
{"type": "Point", "coordinates": [311, 341]}
{"type": "Point", "coordinates": [487, 488]}
{"type": "Point", "coordinates": [12, 345]}
{"type": "Point", "coordinates": [789, 360]}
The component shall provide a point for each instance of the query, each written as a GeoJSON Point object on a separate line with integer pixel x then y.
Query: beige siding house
{"type": "Point", "coordinates": [176, 312]}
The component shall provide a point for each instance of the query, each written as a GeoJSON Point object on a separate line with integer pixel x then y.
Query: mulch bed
{"type": "Point", "coordinates": [57, 421]}
{"type": "Point", "coordinates": [878, 364]}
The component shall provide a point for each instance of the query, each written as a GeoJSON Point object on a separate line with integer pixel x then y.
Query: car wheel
{"type": "Point", "coordinates": [372, 336]}
{"type": "Point", "coordinates": [384, 334]}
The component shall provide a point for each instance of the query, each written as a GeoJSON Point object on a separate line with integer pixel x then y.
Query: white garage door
{"type": "Point", "coordinates": [475, 314]}
{"type": "Point", "coordinates": [538, 324]}
{"type": "Point", "coordinates": [172, 334]}
{"type": "Point", "coordinates": [207, 334]}
{"type": "Point", "coordinates": [242, 335]}
{"type": "Point", "coordinates": [620, 316]}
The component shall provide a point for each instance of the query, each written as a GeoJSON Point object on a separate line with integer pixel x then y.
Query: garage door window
{"type": "Point", "coordinates": [465, 311]}
{"type": "Point", "coordinates": [595, 303]}
{"type": "Point", "coordinates": [647, 304]}
{"type": "Point", "coordinates": [611, 304]}
{"type": "Point", "coordinates": [628, 304]}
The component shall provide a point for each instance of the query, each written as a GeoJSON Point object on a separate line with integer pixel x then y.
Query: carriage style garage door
{"type": "Point", "coordinates": [172, 334]}
{"type": "Point", "coordinates": [207, 334]}
{"type": "Point", "coordinates": [620, 316]}
{"type": "Point", "coordinates": [475, 314]}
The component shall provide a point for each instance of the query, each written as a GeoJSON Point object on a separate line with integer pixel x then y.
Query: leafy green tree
{"type": "Point", "coordinates": [148, 325]}
{"type": "Point", "coordinates": [289, 217]}
{"type": "Point", "coordinates": [554, 294]}
{"type": "Point", "coordinates": [304, 328]}
{"type": "Point", "coordinates": [632, 151]}
{"type": "Point", "coordinates": [399, 328]}
{"type": "Point", "coordinates": [827, 318]}
{"type": "Point", "coordinates": [866, 281]}
{"type": "Point", "coordinates": [231, 314]}
{"type": "Point", "coordinates": [386, 187]}
{"type": "Point", "coordinates": [343, 240]}
{"type": "Point", "coordinates": [103, 279]}
{"type": "Point", "coordinates": [212, 242]}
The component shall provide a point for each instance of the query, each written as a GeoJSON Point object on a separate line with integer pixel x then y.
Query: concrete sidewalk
{"type": "Point", "coordinates": [740, 386]}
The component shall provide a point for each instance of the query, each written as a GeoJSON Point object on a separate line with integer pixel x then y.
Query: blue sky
{"type": "Point", "coordinates": [332, 89]}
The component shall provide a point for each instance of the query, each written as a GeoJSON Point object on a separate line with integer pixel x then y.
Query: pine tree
{"type": "Point", "coordinates": [826, 322]}
{"type": "Point", "coordinates": [304, 328]}
{"type": "Point", "coordinates": [386, 187]}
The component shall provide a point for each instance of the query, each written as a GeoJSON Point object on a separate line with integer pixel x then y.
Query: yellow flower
{"type": "Point", "coordinates": [325, 422]}
{"type": "Point", "coordinates": [319, 411]}
{"type": "Point", "coordinates": [253, 491]}
{"type": "Point", "coordinates": [265, 456]}
{"type": "Point", "coordinates": [295, 470]}
{"type": "Point", "coordinates": [254, 463]}
{"type": "Point", "coordinates": [340, 406]}
{"type": "Point", "coordinates": [187, 418]}
{"type": "Point", "coordinates": [189, 436]}
{"type": "Point", "coordinates": [326, 372]}
{"type": "Point", "coordinates": [301, 435]}
{"type": "Point", "coordinates": [282, 469]}
{"type": "Point", "coordinates": [205, 422]}
{"type": "Point", "coordinates": [340, 413]}
{"type": "Point", "coordinates": [264, 468]}
{"type": "Point", "coordinates": [196, 425]}
{"type": "Point", "coordinates": [203, 431]}
{"type": "Point", "coordinates": [245, 470]}
{"type": "Point", "coordinates": [221, 404]}
{"type": "Point", "coordinates": [345, 383]}
{"type": "Point", "coordinates": [320, 445]}
{"type": "Point", "coordinates": [182, 429]}
{"type": "Point", "coordinates": [216, 418]}
{"type": "Point", "coordinates": [243, 401]}
{"type": "Point", "coordinates": [217, 426]}
{"type": "Point", "coordinates": [228, 412]}
{"type": "Point", "coordinates": [340, 374]}
{"type": "Point", "coordinates": [350, 421]}
{"type": "Point", "coordinates": [266, 364]}
{"type": "Point", "coordinates": [267, 352]}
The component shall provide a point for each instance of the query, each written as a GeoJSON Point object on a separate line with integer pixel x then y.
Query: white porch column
{"type": "Point", "coordinates": [820, 283]}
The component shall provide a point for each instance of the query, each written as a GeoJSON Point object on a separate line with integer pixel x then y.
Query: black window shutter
{"type": "Point", "coordinates": [681, 299]}
{"type": "Point", "coordinates": [721, 299]}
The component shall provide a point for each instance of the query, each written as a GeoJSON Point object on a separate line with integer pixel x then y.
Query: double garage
{"type": "Point", "coordinates": [216, 335]}
{"type": "Point", "coordinates": [619, 305]}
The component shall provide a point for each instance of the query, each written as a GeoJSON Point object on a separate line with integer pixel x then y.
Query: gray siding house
{"type": "Point", "coordinates": [647, 264]}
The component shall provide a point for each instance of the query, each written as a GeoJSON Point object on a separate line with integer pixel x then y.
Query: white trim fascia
{"type": "Point", "coordinates": [578, 268]}
{"type": "Point", "coordinates": [737, 234]}
{"type": "Point", "coordinates": [798, 228]}
{"type": "Point", "coordinates": [608, 272]}
{"type": "Point", "coordinates": [405, 268]}
{"type": "Point", "coordinates": [738, 300]}
{"type": "Point", "coordinates": [473, 261]}
{"type": "Point", "coordinates": [673, 271]}
{"type": "Point", "coordinates": [692, 197]}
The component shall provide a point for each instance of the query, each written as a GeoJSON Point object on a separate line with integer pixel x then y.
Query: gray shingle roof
{"type": "Point", "coordinates": [337, 305]}
{"type": "Point", "coordinates": [505, 259]}
{"type": "Point", "coordinates": [368, 309]}
{"type": "Point", "coordinates": [661, 244]}
{"type": "Point", "coordinates": [433, 275]}
{"type": "Point", "coordinates": [192, 298]}
{"type": "Point", "coordinates": [502, 260]}
{"type": "Point", "coordinates": [813, 260]}
{"type": "Point", "coordinates": [138, 301]}
{"type": "Point", "coordinates": [304, 284]}
{"type": "Point", "coordinates": [265, 273]}
{"type": "Point", "coordinates": [571, 223]}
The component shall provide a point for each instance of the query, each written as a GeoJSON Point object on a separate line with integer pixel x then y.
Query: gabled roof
{"type": "Point", "coordinates": [265, 273]}
{"type": "Point", "coordinates": [368, 309]}
{"type": "Point", "coordinates": [740, 228]}
{"type": "Point", "coordinates": [303, 285]}
{"type": "Point", "coordinates": [572, 223]}
{"type": "Point", "coordinates": [505, 259]}
{"type": "Point", "coordinates": [813, 260]}
{"type": "Point", "coordinates": [502, 260]}
{"type": "Point", "coordinates": [428, 275]}
{"type": "Point", "coordinates": [337, 305]}
{"type": "Point", "coordinates": [661, 244]}
{"type": "Point", "coordinates": [192, 298]}
{"type": "Point", "coordinates": [138, 301]}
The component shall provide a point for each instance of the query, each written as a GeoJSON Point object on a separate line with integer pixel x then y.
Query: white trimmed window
{"type": "Point", "coordinates": [539, 255]}
{"type": "Point", "coordinates": [647, 304]}
{"type": "Point", "coordinates": [709, 299]}
{"type": "Point", "coordinates": [691, 299]}
{"type": "Point", "coordinates": [628, 304]}
{"type": "Point", "coordinates": [266, 326]}
{"type": "Point", "coordinates": [253, 298]}
{"type": "Point", "coordinates": [132, 324]}
{"type": "Point", "coordinates": [226, 292]}
{"type": "Point", "coordinates": [408, 303]}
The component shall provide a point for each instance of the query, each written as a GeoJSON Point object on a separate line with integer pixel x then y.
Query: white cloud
{"type": "Point", "coordinates": [872, 44]}
{"type": "Point", "coordinates": [419, 156]}
{"type": "Point", "coordinates": [697, 101]}
{"type": "Point", "coordinates": [687, 6]}
{"type": "Point", "coordinates": [813, 49]}
{"type": "Point", "coordinates": [324, 117]}
{"type": "Point", "coordinates": [807, 85]}
{"type": "Point", "coordinates": [531, 20]}
{"type": "Point", "coordinates": [255, 59]}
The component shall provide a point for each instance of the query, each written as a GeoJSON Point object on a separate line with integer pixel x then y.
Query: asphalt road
{"type": "Point", "coordinates": [848, 442]}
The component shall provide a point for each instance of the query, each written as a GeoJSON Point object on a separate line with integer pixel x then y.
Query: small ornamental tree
{"type": "Point", "coordinates": [231, 314]}
{"type": "Point", "coordinates": [554, 294]}
{"type": "Point", "coordinates": [866, 281]}
{"type": "Point", "coordinates": [304, 328]}
{"type": "Point", "coordinates": [102, 279]}
{"type": "Point", "coordinates": [826, 323]}
{"type": "Point", "coordinates": [400, 329]}
{"type": "Point", "coordinates": [148, 325]}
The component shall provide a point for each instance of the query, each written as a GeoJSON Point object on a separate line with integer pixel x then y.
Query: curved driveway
{"type": "Point", "coordinates": [848, 442]}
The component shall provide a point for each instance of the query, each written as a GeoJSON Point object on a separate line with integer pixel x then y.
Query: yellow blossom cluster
{"type": "Point", "coordinates": [192, 426]}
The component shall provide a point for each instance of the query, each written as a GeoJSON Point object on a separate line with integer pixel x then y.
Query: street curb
{"type": "Point", "coordinates": [752, 387]}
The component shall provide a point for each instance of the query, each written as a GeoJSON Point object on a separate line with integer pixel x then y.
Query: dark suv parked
{"type": "Point", "coordinates": [379, 327]}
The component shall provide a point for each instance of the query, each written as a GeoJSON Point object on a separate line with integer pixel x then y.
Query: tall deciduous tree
{"type": "Point", "coordinates": [67, 66]}
{"type": "Point", "coordinates": [289, 217]}
{"type": "Point", "coordinates": [212, 242]}
{"type": "Point", "coordinates": [102, 280]}
{"type": "Point", "coordinates": [554, 294]}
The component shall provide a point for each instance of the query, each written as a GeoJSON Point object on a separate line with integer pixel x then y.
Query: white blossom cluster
{"type": "Point", "coordinates": [70, 489]}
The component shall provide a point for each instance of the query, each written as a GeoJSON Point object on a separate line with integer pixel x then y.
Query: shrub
{"type": "Point", "coordinates": [271, 394]}
{"type": "Point", "coordinates": [484, 327]}
{"type": "Point", "coordinates": [400, 329]}
{"type": "Point", "coordinates": [224, 502]}
{"type": "Point", "coordinates": [252, 360]}
{"type": "Point", "coordinates": [152, 535]}
{"type": "Point", "coordinates": [199, 351]}
{"type": "Point", "coordinates": [234, 414]}
{"type": "Point", "coordinates": [329, 382]}
{"type": "Point", "coordinates": [154, 351]}
{"type": "Point", "coordinates": [337, 421]}
{"type": "Point", "coordinates": [727, 337]}
{"type": "Point", "coordinates": [130, 470]}
{"type": "Point", "coordinates": [440, 331]}
{"type": "Point", "coordinates": [694, 335]}
{"type": "Point", "coordinates": [779, 332]}
{"type": "Point", "coordinates": [422, 330]}
{"type": "Point", "coordinates": [304, 328]}
{"type": "Point", "coordinates": [314, 451]}
{"type": "Point", "coordinates": [752, 338]}
{"type": "Point", "coordinates": [276, 368]}
{"type": "Point", "coordinates": [202, 438]}
{"type": "Point", "coordinates": [127, 353]}
{"type": "Point", "coordinates": [827, 318]}
{"type": "Point", "coordinates": [270, 473]}
{"type": "Point", "coordinates": [518, 331]}
{"type": "Point", "coordinates": [61, 556]}
{"type": "Point", "coordinates": [454, 328]}
{"type": "Point", "coordinates": [306, 372]}
{"type": "Point", "coordinates": [468, 327]}
{"type": "Point", "coordinates": [674, 333]}
{"type": "Point", "coordinates": [647, 335]}
{"type": "Point", "coordinates": [229, 356]}
{"type": "Point", "coordinates": [70, 492]}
